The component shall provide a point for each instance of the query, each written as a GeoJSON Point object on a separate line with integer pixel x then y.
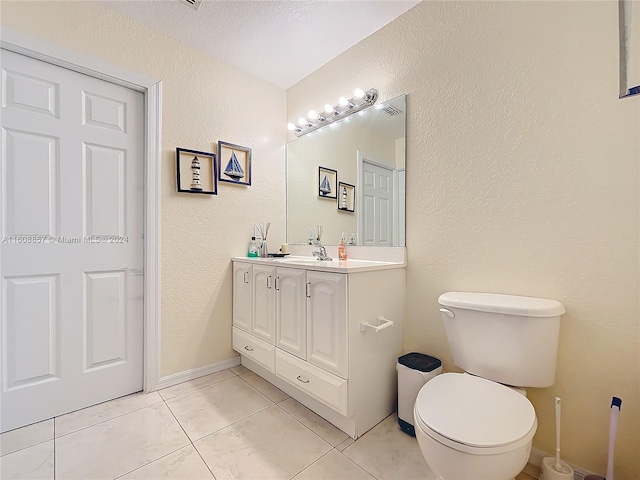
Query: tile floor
{"type": "Point", "coordinates": [229, 425]}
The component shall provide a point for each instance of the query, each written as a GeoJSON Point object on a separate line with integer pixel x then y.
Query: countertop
{"type": "Point", "coordinates": [311, 263]}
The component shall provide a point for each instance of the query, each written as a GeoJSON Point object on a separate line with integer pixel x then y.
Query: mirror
{"type": "Point", "coordinates": [629, 28]}
{"type": "Point", "coordinates": [366, 196]}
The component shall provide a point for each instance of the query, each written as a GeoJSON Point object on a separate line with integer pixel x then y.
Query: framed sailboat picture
{"type": "Point", "coordinates": [327, 183]}
{"type": "Point", "coordinates": [235, 163]}
{"type": "Point", "coordinates": [346, 197]}
{"type": "Point", "coordinates": [196, 172]}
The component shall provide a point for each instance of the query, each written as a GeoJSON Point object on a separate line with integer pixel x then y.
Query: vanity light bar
{"type": "Point", "coordinates": [333, 113]}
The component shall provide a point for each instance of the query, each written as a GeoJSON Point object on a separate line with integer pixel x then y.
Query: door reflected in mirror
{"type": "Point", "coordinates": [367, 150]}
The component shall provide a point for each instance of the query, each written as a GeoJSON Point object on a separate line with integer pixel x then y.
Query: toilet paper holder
{"type": "Point", "coordinates": [381, 324]}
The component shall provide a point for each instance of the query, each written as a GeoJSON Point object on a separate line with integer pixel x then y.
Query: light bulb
{"type": "Point", "coordinates": [313, 115]}
{"type": "Point", "coordinates": [302, 122]}
{"type": "Point", "coordinates": [343, 102]}
{"type": "Point", "coordinates": [291, 126]}
{"type": "Point", "coordinates": [358, 93]}
{"type": "Point", "coordinates": [328, 108]}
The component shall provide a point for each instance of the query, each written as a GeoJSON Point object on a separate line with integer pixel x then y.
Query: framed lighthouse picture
{"type": "Point", "coordinates": [234, 163]}
{"type": "Point", "coordinates": [196, 172]}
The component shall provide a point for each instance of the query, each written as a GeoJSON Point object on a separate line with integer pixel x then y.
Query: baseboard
{"type": "Point", "coordinates": [176, 378]}
{"type": "Point", "coordinates": [536, 456]}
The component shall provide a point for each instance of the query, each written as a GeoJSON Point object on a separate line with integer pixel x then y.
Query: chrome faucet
{"type": "Point", "coordinates": [321, 253]}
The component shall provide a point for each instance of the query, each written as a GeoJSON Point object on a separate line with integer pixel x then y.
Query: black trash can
{"type": "Point", "coordinates": [414, 370]}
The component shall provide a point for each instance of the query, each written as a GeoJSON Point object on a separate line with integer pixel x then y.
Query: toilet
{"type": "Point", "coordinates": [479, 425]}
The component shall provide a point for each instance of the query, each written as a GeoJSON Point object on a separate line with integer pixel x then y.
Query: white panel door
{"type": "Point", "coordinates": [327, 322]}
{"type": "Point", "coordinates": [72, 241]}
{"type": "Point", "coordinates": [377, 205]}
{"type": "Point", "coordinates": [291, 316]}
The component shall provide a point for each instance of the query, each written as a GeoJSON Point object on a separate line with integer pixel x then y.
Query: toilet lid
{"type": "Point", "coordinates": [474, 411]}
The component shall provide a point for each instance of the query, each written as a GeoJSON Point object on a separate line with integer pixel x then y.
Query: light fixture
{"type": "Point", "coordinates": [333, 113]}
{"type": "Point", "coordinates": [315, 116]}
{"type": "Point", "coordinates": [344, 103]}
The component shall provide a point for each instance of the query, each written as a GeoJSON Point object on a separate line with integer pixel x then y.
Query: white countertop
{"type": "Point", "coordinates": [311, 263]}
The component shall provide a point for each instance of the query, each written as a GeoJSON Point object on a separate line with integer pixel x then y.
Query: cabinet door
{"type": "Point", "coordinates": [291, 317]}
{"type": "Point", "coordinates": [242, 295]}
{"type": "Point", "coordinates": [327, 322]}
{"type": "Point", "coordinates": [264, 303]}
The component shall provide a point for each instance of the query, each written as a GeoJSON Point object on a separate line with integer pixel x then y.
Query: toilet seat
{"type": "Point", "coordinates": [474, 415]}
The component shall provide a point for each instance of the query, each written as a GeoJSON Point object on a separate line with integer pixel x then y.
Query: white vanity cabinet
{"type": "Point", "coordinates": [291, 324]}
{"type": "Point", "coordinates": [242, 295]}
{"type": "Point", "coordinates": [329, 338]}
{"type": "Point", "coordinates": [263, 320]}
{"type": "Point", "coordinates": [253, 334]}
{"type": "Point", "coordinates": [327, 321]}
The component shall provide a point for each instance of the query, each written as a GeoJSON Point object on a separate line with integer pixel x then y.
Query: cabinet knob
{"type": "Point", "coordinates": [308, 292]}
{"type": "Point", "coordinates": [269, 282]}
{"type": "Point", "coordinates": [248, 349]}
{"type": "Point", "coordinates": [276, 283]}
{"type": "Point", "coordinates": [300, 379]}
{"type": "Point", "coordinates": [245, 277]}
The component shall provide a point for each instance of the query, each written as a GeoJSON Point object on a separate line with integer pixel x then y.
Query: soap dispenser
{"type": "Point", "coordinates": [253, 248]}
{"type": "Point", "coordinates": [342, 248]}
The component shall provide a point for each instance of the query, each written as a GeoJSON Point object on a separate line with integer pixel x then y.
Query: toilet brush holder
{"type": "Point", "coordinates": [550, 470]}
{"type": "Point", "coordinates": [552, 467]}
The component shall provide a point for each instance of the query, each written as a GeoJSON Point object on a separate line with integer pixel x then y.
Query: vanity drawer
{"type": "Point", "coordinates": [323, 386]}
{"type": "Point", "coordinates": [254, 348]}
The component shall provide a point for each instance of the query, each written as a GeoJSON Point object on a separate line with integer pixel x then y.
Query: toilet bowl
{"type": "Point", "coordinates": [471, 428]}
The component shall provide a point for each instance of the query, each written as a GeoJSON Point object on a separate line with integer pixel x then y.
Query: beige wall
{"type": "Point", "coordinates": [203, 101]}
{"type": "Point", "coordinates": [522, 178]}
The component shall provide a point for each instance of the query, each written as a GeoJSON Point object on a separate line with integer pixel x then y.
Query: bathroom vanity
{"type": "Point", "coordinates": [326, 333]}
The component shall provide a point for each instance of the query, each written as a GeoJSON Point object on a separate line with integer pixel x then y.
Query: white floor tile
{"type": "Point", "coordinates": [340, 447]}
{"type": "Point", "coordinates": [33, 463]}
{"type": "Point", "coordinates": [119, 445]}
{"type": "Point", "coordinates": [388, 453]}
{"type": "Point", "coordinates": [267, 389]}
{"type": "Point", "coordinates": [184, 464]}
{"type": "Point", "coordinates": [268, 445]}
{"type": "Point", "coordinates": [26, 437]}
{"type": "Point", "coordinates": [239, 369]}
{"type": "Point", "coordinates": [191, 385]}
{"type": "Point", "coordinates": [86, 417]}
{"type": "Point", "coordinates": [211, 408]}
{"type": "Point", "coordinates": [333, 465]}
{"type": "Point", "coordinates": [314, 422]}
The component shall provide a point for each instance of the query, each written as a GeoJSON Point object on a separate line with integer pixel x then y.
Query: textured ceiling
{"type": "Point", "coordinates": [280, 41]}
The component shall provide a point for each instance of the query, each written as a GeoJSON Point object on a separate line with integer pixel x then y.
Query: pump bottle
{"type": "Point", "coordinates": [253, 248]}
{"type": "Point", "coordinates": [342, 248]}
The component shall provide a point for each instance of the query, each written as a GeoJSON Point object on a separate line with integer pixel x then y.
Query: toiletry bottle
{"type": "Point", "coordinates": [342, 248]}
{"type": "Point", "coordinates": [253, 248]}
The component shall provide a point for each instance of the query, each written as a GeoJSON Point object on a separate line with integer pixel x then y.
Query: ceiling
{"type": "Point", "coordinates": [280, 41]}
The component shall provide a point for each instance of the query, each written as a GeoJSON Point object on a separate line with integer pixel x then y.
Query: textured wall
{"type": "Point", "coordinates": [203, 101]}
{"type": "Point", "coordinates": [522, 178]}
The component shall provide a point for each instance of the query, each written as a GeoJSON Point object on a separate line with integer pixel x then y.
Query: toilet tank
{"type": "Point", "coordinates": [504, 338]}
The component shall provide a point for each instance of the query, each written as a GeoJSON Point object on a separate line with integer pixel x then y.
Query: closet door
{"type": "Point", "coordinates": [72, 250]}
